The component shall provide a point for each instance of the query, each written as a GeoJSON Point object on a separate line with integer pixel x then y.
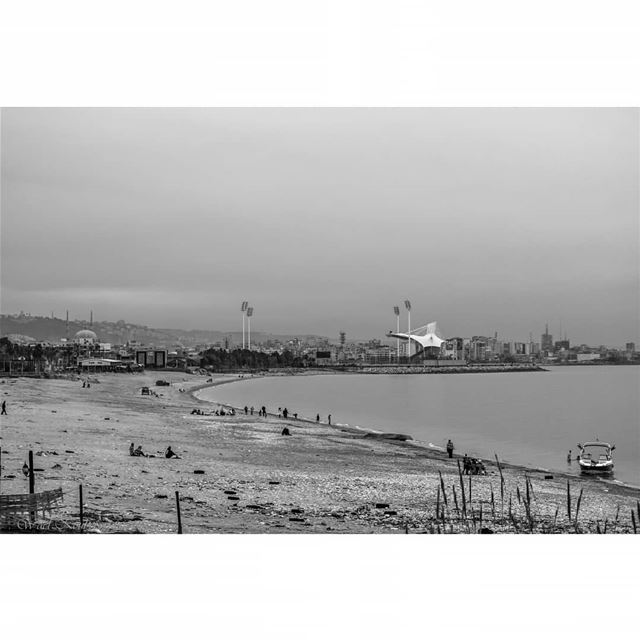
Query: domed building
{"type": "Point", "coordinates": [85, 338]}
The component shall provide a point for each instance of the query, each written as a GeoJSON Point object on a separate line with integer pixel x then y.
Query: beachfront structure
{"type": "Point", "coordinates": [426, 340]}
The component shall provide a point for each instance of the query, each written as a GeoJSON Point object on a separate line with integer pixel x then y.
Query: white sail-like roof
{"type": "Point", "coordinates": [426, 336]}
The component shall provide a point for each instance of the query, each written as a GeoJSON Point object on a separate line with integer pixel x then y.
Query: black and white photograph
{"type": "Point", "coordinates": [319, 321]}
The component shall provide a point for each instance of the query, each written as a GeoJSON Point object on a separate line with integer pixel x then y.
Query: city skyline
{"type": "Point", "coordinates": [533, 336]}
{"type": "Point", "coordinates": [501, 219]}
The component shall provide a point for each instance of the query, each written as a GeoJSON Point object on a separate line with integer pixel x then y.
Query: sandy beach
{"type": "Point", "coordinates": [252, 479]}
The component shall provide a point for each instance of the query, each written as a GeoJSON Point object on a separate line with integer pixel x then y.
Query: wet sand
{"type": "Point", "coordinates": [319, 479]}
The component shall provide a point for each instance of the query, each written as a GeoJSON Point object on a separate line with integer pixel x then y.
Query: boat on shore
{"type": "Point", "coordinates": [596, 457]}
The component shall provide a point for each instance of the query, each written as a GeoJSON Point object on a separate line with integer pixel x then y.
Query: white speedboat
{"type": "Point", "coordinates": [596, 457]}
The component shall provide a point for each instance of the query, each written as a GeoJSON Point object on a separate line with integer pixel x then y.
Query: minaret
{"type": "Point", "coordinates": [67, 325]}
{"type": "Point", "coordinates": [91, 320]}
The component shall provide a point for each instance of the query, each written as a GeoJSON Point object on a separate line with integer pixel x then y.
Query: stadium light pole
{"type": "Point", "coordinates": [396, 310]}
{"type": "Point", "coordinates": [407, 304]}
{"type": "Point", "coordinates": [245, 304]}
{"type": "Point", "coordinates": [249, 314]}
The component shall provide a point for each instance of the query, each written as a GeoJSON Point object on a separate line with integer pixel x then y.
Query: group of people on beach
{"type": "Point", "coordinates": [217, 412]}
{"type": "Point", "coordinates": [138, 452]}
{"type": "Point", "coordinates": [473, 466]}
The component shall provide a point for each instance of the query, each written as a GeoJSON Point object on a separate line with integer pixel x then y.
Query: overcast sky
{"type": "Point", "coordinates": [324, 219]}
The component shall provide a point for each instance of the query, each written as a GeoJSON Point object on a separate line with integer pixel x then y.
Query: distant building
{"type": "Point", "coordinates": [630, 346]}
{"type": "Point", "coordinates": [324, 357]}
{"type": "Point", "coordinates": [152, 358]}
{"type": "Point", "coordinates": [85, 338]}
{"type": "Point", "coordinates": [587, 357]}
{"type": "Point", "coordinates": [546, 342]}
{"type": "Point", "coordinates": [562, 345]}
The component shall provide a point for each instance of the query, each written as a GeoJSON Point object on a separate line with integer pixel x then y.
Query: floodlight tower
{"type": "Point", "coordinates": [244, 307]}
{"type": "Point", "coordinates": [249, 314]}
{"type": "Point", "coordinates": [407, 304]}
{"type": "Point", "coordinates": [396, 310]}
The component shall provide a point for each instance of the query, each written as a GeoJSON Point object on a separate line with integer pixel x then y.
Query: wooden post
{"type": "Point", "coordinates": [444, 493]}
{"type": "Point", "coordinates": [633, 521]}
{"type": "Point", "coordinates": [32, 478]}
{"type": "Point", "coordinates": [81, 509]}
{"type": "Point", "coordinates": [32, 483]}
{"type": "Point", "coordinates": [464, 502]}
{"type": "Point", "coordinates": [178, 508]}
{"type": "Point", "coordinates": [0, 469]}
{"type": "Point", "coordinates": [578, 507]}
{"type": "Point", "coordinates": [568, 502]}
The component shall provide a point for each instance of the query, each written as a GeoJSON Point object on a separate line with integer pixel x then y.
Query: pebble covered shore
{"type": "Point", "coordinates": [238, 474]}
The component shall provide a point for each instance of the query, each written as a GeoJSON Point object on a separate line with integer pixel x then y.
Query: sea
{"type": "Point", "coordinates": [528, 418]}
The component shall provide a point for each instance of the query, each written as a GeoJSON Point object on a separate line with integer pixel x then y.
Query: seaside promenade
{"type": "Point", "coordinates": [239, 474]}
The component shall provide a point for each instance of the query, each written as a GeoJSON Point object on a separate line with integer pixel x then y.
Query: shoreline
{"type": "Point", "coordinates": [400, 439]}
{"type": "Point", "coordinates": [239, 474]}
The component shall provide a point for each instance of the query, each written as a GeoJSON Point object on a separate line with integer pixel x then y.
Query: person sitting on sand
{"type": "Point", "coordinates": [285, 412]}
{"type": "Point", "coordinates": [139, 452]}
{"type": "Point", "coordinates": [286, 432]}
{"type": "Point", "coordinates": [131, 449]}
{"type": "Point", "coordinates": [169, 453]}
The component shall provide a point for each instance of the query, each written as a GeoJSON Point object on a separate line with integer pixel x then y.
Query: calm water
{"type": "Point", "coordinates": [526, 418]}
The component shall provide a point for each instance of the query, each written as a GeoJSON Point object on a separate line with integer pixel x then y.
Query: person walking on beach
{"type": "Point", "coordinates": [466, 464]}
{"type": "Point", "coordinates": [450, 448]}
{"type": "Point", "coordinates": [264, 411]}
{"type": "Point", "coordinates": [318, 417]}
{"type": "Point", "coordinates": [4, 408]}
{"type": "Point", "coordinates": [329, 419]}
{"type": "Point", "coordinates": [252, 410]}
{"type": "Point", "coordinates": [569, 457]}
{"type": "Point", "coordinates": [285, 412]}
{"type": "Point", "coordinates": [246, 410]}
{"type": "Point", "coordinates": [131, 449]}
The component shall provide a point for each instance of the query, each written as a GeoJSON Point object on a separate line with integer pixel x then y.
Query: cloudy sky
{"type": "Point", "coordinates": [324, 219]}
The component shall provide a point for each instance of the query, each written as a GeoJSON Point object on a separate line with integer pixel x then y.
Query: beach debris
{"type": "Point", "coordinates": [233, 498]}
{"type": "Point", "coordinates": [69, 451]}
{"type": "Point", "coordinates": [57, 466]}
{"type": "Point", "coordinates": [198, 471]}
{"type": "Point", "coordinates": [297, 510]}
{"type": "Point", "coordinates": [161, 496]}
{"type": "Point", "coordinates": [390, 513]}
{"type": "Point", "coordinates": [274, 481]}
{"type": "Point", "coordinates": [230, 492]}
{"type": "Point", "coordinates": [548, 477]}
{"type": "Point", "coordinates": [382, 505]}
{"type": "Point", "coordinates": [296, 519]}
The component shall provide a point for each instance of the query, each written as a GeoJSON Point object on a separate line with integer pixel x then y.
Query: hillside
{"type": "Point", "coordinates": [54, 329]}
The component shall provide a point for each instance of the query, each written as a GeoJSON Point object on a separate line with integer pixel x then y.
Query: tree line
{"type": "Point", "coordinates": [221, 360]}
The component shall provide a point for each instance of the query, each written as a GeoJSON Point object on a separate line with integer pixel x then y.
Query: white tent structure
{"type": "Point", "coordinates": [426, 337]}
